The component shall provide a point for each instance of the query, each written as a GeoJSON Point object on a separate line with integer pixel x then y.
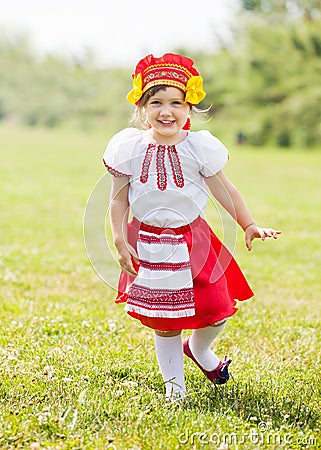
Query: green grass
{"type": "Point", "coordinates": [77, 373]}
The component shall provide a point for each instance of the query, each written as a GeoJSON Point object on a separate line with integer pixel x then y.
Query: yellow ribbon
{"type": "Point", "coordinates": [135, 94]}
{"type": "Point", "coordinates": [194, 90]}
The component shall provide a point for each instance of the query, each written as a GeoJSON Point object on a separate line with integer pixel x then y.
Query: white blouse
{"type": "Point", "coordinates": [166, 182]}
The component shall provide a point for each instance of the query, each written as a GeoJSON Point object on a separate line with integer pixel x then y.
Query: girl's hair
{"type": "Point", "coordinates": [139, 120]}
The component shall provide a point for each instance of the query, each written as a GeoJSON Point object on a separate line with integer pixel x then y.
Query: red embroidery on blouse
{"type": "Point", "coordinates": [160, 168]}
{"type": "Point", "coordinates": [146, 163]}
{"type": "Point", "coordinates": [176, 166]}
{"type": "Point", "coordinates": [160, 165]}
{"type": "Point", "coordinates": [115, 172]}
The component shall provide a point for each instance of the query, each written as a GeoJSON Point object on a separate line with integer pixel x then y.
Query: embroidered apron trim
{"type": "Point", "coordinates": [160, 303]}
{"type": "Point", "coordinates": [164, 262]}
{"type": "Point", "coordinates": [160, 239]}
{"type": "Point", "coordinates": [165, 266]}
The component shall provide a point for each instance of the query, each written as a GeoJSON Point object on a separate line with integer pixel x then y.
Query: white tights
{"type": "Point", "coordinates": [200, 342]}
{"type": "Point", "coordinates": [169, 353]}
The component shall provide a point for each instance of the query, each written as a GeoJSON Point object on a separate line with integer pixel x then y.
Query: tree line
{"type": "Point", "coordinates": [265, 86]}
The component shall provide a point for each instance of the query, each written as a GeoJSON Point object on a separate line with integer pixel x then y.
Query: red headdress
{"type": "Point", "coordinates": [170, 70]}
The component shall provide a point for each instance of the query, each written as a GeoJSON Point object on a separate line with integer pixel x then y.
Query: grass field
{"type": "Point", "coordinates": [78, 373]}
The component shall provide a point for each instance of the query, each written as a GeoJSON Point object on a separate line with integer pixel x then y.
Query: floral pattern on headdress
{"type": "Point", "coordinates": [170, 70]}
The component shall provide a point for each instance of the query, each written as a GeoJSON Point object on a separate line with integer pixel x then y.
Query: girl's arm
{"type": "Point", "coordinates": [119, 210]}
{"type": "Point", "coordinates": [230, 198]}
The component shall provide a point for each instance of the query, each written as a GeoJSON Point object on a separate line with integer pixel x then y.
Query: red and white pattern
{"type": "Point", "coordinates": [176, 166]}
{"type": "Point", "coordinates": [160, 151]}
{"type": "Point", "coordinates": [116, 173]}
{"type": "Point", "coordinates": [164, 261]}
{"type": "Point", "coordinates": [160, 168]}
{"type": "Point", "coordinates": [146, 163]}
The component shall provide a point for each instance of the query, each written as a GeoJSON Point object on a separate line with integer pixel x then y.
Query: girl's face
{"type": "Point", "coordinates": [167, 112]}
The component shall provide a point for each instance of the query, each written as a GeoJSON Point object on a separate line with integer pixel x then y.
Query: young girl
{"type": "Point", "coordinates": [176, 274]}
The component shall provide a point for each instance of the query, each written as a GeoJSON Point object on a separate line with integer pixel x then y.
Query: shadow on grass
{"type": "Point", "coordinates": [261, 401]}
{"type": "Point", "coordinates": [284, 400]}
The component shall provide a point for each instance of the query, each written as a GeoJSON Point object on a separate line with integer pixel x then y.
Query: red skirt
{"type": "Point", "coordinates": [217, 279]}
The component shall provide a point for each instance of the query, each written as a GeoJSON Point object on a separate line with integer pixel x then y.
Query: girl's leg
{"type": "Point", "coordinates": [169, 353]}
{"type": "Point", "coordinates": [200, 342]}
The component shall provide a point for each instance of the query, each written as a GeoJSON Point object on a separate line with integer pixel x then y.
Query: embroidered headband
{"type": "Point", "coordinates": [170, 70]}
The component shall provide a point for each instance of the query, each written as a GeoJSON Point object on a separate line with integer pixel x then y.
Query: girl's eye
{"type": "Point", "coordinates": [154, 102]}
{"type": "Point", "coordinates": [177, 102]}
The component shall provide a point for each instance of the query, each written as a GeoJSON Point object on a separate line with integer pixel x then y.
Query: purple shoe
{"type": "Point", "coordinates": [219, 375]}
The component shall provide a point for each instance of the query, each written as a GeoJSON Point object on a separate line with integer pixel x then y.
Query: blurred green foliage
{"type": "Point", "coordinates": [266, 85]}
{"type": "Point", "coordinates": [279, 9]}
{"type": "Point", "coordinates": [53, 91]}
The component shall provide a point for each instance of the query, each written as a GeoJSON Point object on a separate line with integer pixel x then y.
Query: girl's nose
{"type": "Point", "coordinates": [165, 111]}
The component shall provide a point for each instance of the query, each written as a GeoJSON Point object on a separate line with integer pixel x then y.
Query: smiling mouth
{"type": "Point", "coordinates": [166, 122]}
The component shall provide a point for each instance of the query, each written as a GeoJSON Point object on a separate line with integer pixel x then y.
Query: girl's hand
{"type": "Point", "coordinates": [252, 232]}
{"type": "Point", "coordinates": [126, 260]}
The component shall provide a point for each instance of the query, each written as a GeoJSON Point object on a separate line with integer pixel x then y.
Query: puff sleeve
{"type": "Point", "coordinates": [118, 154]}
{"type": "Point", "coordinates": [212, 154]}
